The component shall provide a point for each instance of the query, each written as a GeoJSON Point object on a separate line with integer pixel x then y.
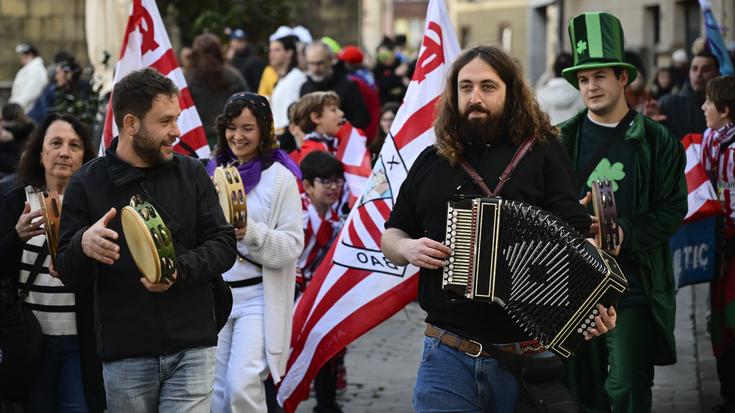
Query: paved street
{"type": "Point", "coordinates": [381, 365]}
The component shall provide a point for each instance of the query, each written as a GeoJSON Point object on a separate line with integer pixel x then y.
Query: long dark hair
{"type": "Point", "coordinates": [521, 108]}
{"type": "Point", "coordinates": [30, 170]}
{"type": "Point", "coordinates": [233, 109]}
{"type": "Point", "coordinates": [289, 44]}
{"type": "Point", "coordinates": [208, 61]}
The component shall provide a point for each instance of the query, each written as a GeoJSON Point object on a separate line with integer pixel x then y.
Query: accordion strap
{"type": "Point", "coordinates": [505, 176]}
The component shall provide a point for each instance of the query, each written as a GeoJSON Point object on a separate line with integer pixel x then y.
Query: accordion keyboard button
{"type": "Point", "coordinates": [580, 331]}
{"type": "Point", "coordinates": [595, 312]}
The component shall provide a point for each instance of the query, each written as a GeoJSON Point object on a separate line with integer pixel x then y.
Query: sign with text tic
{"type": "Point", "coordinates": [693, 252]}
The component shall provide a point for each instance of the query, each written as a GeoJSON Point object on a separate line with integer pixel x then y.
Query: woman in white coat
{"type": "Point", "coordinates": [255, 341]}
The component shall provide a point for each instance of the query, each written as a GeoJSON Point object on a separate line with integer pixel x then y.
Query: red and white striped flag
{"type": "Point", "coordinates": [355, 158]}
{"type": "Point", "coordinates": [701, 198]}
{"type": "Point", "coordinates": [146, 44]}
{"type": "Point", "coordinates": [356, 287]}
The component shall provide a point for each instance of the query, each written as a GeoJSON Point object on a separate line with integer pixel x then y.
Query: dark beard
{"type": "Point", "coordinates": [481, 131]}
{"type": "Point", "coordinates": [147, 148]}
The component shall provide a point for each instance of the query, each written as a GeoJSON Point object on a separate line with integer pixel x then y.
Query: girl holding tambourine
{"type": "Point", "coordinates": [255, 340]}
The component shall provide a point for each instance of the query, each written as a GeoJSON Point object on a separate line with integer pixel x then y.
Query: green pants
{"type": "Point", "coordinates": [628, 351]}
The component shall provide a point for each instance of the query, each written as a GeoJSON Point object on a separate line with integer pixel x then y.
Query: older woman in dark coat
{"type": "Point", "coordinates": [70, 378]}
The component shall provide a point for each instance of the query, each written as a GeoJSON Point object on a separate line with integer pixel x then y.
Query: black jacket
{"type": "Point", "coordinates": [130, 320]}
{"type": "Point", "coordinates": [10, 151]}
{"type": "Point", "coordinates": [351, 101]}
{"type": "Point", "coordinates": [250, 65]}
{"type": "Point", "coordinates": [684, 112]}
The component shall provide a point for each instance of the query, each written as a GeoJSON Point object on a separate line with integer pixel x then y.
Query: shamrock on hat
{"type": "Point", "coordinates": [597, 41]}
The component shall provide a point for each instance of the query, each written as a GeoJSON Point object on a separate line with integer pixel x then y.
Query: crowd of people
{"type": "Point", "coordinates": [114, 340]}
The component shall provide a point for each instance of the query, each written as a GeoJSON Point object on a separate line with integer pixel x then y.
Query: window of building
{"type": "Point", "coordinates": [506, 37]}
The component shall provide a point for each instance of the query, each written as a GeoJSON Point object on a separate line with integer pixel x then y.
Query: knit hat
{"type": "Point", "coordinates": [597, 41]}
{"type": "Point", "coordinates": [351, 54]}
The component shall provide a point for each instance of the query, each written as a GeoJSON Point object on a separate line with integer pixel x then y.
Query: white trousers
{"type": "Point", "coordinates": [241, 366]}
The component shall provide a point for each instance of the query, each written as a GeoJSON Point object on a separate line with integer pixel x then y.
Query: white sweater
{"type": "Point", "coordinates": [29, 83]}
{"type": "Point", "coordinates": [277, 244]}
{"type": "Point", "coordinates": [287, 91]}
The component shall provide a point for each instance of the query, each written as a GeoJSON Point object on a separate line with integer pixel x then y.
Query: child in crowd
{"type": "Point", "coordinates": [323, 180]}
{"type": "Point", "coordinates": [293, 136]}
{"type": "Point", "coordinates": [718, 150]}
{"type": "Point", "coordinates": [318, 115]}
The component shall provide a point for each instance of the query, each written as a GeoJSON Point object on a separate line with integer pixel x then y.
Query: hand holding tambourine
{"type": "Point", "coordinates": [150, 244]}
{"type": "Point", "coordinates": [47, 206]}
{"type": "Point", "coordinates": [609, 236]}
{"type": "Point", "coordinates": [232, 198]}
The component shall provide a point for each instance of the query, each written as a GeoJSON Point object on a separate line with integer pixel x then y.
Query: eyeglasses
{"type": "Point", "coordinates": [318, 63]}
{"type": "Point", "coordinates": [330, 182]}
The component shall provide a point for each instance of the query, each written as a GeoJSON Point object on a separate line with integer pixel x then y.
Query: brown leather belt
{"type": "Point", "coordinates": [474, 349]}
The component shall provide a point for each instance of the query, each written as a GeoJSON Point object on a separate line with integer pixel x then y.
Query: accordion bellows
{"type": "Point", "coordinates": [537, 267]}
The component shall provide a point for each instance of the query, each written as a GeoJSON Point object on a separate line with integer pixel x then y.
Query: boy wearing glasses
{"type": "Point", "coordinates": [323, 180]}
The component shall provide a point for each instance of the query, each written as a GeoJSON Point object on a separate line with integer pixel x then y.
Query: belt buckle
{"type": "Point", "coordinates": [476, 355]}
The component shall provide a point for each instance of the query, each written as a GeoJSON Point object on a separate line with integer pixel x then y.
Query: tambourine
{"type": "Point", "coordinates": [149, 241]}
{"type": "Point", "coordinates": [603, 203]}
{"type": "Point", "coordinates": [49, 203]}
{"type": "Point", "coordinates": [51, 209]}
{"type": "Point", "coordinates": [232, 196]}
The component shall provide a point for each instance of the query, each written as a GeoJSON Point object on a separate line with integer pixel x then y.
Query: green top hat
{"type": "Point", "coordinates": [597, 41]}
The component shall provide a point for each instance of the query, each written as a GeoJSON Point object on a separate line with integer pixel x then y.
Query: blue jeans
{"type": "Point", "coordinates": [449, 380]}
{"type": "Point", "coordinates": [58, 387]}
{"type": "Point", "coordinates": [179, 382]}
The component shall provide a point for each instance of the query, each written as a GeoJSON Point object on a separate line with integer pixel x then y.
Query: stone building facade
{"type": "Point", "coordinates": [533, 31]}
{"type": "Point", "coordinates": [50, 25]}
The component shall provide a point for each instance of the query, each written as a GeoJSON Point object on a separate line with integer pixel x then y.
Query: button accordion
{"type": "Point", "coordinates": [537, 267]}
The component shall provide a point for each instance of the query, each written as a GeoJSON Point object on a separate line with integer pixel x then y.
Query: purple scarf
{"type": "Point", "coordinates": [251, 170]}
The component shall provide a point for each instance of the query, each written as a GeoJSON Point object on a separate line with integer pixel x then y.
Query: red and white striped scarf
{"type": "Point", "coordinates": [318, 234]}
{"type": "Point", "coordinates": [720, 166]}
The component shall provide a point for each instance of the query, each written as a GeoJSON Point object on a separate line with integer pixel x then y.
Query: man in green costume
{"type": "Point", "coordinates": [645, 165]}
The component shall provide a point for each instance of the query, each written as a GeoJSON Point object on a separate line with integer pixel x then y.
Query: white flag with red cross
{"type": "Point", "coordinates": [356, 287]}
{"type": "Point", "coordinates": [146, 44]}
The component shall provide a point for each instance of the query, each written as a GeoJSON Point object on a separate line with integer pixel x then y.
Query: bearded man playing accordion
{"type": "Point", "coordinates": [487, 112]}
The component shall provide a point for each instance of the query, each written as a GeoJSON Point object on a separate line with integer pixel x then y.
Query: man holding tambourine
{"type": "Point", "coordinates": [618, 151]}
{"type": "Point", "coordinates": [155, 311]}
